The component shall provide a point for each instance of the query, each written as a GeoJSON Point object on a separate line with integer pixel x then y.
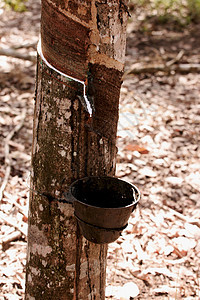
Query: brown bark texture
{"type": "Point", "coordinates": [86, 40]}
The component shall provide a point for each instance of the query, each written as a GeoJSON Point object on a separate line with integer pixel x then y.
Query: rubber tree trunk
{"type": "Point", "coordinates": [86, 40]}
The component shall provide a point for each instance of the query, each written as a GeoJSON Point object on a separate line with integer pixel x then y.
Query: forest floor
{"type": "Point", "coordinates": [158, 255]}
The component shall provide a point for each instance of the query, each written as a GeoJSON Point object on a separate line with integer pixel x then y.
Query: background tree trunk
{"type": "Point", "coordinates": [86, 40]}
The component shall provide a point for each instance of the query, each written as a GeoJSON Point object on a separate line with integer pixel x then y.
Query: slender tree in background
{"type": "Point", "coordinates": [85, 40]}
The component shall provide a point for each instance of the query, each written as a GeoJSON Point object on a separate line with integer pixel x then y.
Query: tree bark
{"type": "Point", "coordinates": [86, 40]}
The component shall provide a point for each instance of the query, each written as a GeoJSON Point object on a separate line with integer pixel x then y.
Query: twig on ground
{"type": "Point", "coordinates": [181, 216]}
{"type": "Point", "coordinates": [16, 235]}
{"type": "Point", "coordinates": [176, 59]}
{"type": "Point", "coordinates": [140, 68]}
{"type": "Point", "coordinates": [16, 54]}
{"type": "Point", "coordinates": [12, 223]}
{"type": "Point", "coordinates": [10, 199]}
{"type": "Point", "coordinates": [5, 181]}
{"type": "Point", "coordinates": [26, 45]}
{"type": "Point", "coordinates": [140, 253]}
{"type": "Point", "coordinates": [7, 155]}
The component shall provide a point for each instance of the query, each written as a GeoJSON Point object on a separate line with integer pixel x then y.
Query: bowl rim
{"type": "Point", "coordinates": [73, 199]}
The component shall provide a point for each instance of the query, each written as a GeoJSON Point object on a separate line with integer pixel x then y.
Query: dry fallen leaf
{"type": "Point", "coordinates": [168, 250]}
{"type": "Point", "coordinates": [183, 244]}
{"type": "Point", "coordinates": [194, 230]}
{"type": "Point", "coordinates": [148, 172]}
{"type": "Point", "coordinates": [138, 273]}
{"type": "Point", "coordinates": [10, 296]}
{"type": "Point", "coordinates": [165, 289]}
{"type": "Point", "coordinates": [174, 180]}
{"type": "Point", "coordinates": [25, 219]}
{"type": "Point", "coordinates": [163, 271]}
{"type": "Point", "coordinates": [2, 174]}
{"type": "Point", "coordinates": [137, 148]}
{"type": "Point", "coordinates": [128, 291]}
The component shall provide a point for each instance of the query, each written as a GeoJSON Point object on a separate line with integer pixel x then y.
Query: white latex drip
{"type": "Point", "coordinates": [87, 103]}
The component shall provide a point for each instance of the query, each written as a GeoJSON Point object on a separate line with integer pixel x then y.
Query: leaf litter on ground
{"type": "Point", "coordinates": [158, 254]}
